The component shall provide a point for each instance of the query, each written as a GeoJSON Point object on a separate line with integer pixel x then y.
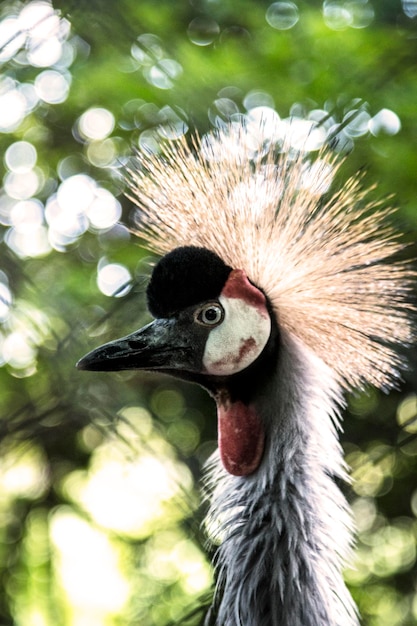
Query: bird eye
{"type": "Point", "coordinates": [210, 314]}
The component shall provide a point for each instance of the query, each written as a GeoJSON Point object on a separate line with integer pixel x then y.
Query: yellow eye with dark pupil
{"type": "Point", "coordinates": [210, 314]}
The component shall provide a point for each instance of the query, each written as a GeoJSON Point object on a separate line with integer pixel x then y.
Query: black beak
{"type": "Point", "coordinates": [161, 345]}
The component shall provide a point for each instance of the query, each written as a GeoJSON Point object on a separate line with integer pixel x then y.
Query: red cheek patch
{"type": "Point", "coordinates": [238, 286]}
{"type": "Point", "coordinates": [241, 438]}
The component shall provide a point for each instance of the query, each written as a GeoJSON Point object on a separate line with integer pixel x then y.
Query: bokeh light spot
{"type": "Point", "coordinates": [148, 49]}
{"type": "Point", "coordinates": [89, 567]}
{"type": "Point", "coordinates": [163, 73]}
{"type": "Point", "coordinates": [410, 10]}
{"type": "Point", "coordinates": [96, 123]}
{"type": "Point", "coordinates": [11, 38]}
{"type": "Point", "coordinates": [362, 13]}
{"type": "Point", "coordinates": [282, 15]}
{"type": "Point", "coordinates": [52, 86]}
{"type": "Point", "coordinates": [202, 31]}
{"type": "Point", "coordinates": [385, 122]}
{"type": "Point", "coordinates": [76, 193]}
{"type": "Point", "coordinates": [342, 14]}
{"type": "Point", "coordinates": [12, 105]}
{"type": "Point", "coordinates": [27, 215]}
{"type": "Point", "coordinates": [66, 222]}
{"type": "Point", "coordinates": [20, 156]}
{"type": "Point", "coordinates": [257, 98]}
{"type": "Point", "coordinates": [18, 351]}
{"type": "Point", "coordinates": [265, 119]}
{"type": "Point", "coordinates": [168, 404]}
{"type": "Point", "coordinates": [103, 153]}
{"type": "Point", "coordinates": [30, 243]}
{"type": "Point", "coordinates": [113, 279]}
{"type": "Point", "coordinates": [304, 135]}
{"type": "Point", "coordinates": [45, 53]}
{"type": "Point", "coordinates": [40, 19]}
{"type": "Point", "coordinates": [149, 141]}
{"type": "Point", "coordinates": [336, 15]}
{"type": "Point", "coordinates": [104, 211]}
{"type": "Point", "coordinates": [357, 123]}
{"type": "Point", "coordinates": [21, 185]}
{"type": "Point", "coordinates": [341, 142]}
{"type": "Point", "coordinates": [22, 472]}
{"type": "Point", "coordinates": [223, 109]}
{"type": "Point", "coordinates": [407, 413]}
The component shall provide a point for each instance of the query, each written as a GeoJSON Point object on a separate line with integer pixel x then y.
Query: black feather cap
{"type": "Point", "coordinates": [185, 276]}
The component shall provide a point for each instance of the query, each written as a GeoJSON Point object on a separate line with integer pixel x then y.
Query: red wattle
{"type": "Point", "coordinates": [241, 438]}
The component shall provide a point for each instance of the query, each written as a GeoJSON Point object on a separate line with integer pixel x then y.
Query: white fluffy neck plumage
{"type": "Point", "coordinates": [285, 530]}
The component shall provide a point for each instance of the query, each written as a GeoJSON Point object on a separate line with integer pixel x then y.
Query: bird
{"type": "Point", "coordinates": [277, 294]}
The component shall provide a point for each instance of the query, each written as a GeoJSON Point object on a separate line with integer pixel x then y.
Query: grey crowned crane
{"type": "Point", "coordinates": [275, 296]}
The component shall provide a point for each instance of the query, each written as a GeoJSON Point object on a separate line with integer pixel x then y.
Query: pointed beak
{"type": "Point", "coordinates": [158, 346]}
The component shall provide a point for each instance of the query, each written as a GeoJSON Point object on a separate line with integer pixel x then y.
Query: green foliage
{"type": "Point", "coordinates": [99, 505]}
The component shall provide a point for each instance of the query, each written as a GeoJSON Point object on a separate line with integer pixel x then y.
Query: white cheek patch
{"type": "Point", "coordinates": [239, 340]}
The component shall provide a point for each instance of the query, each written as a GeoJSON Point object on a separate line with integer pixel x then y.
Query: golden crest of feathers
{"type": "Point", "coordinates": [324, 261]}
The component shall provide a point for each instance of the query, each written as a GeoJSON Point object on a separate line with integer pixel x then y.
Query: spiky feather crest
{"type": "Point", "coordinates": [324, 261]}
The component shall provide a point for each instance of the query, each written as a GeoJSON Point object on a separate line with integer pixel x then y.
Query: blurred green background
{"type": "Point", "coordinates": [100, 512]}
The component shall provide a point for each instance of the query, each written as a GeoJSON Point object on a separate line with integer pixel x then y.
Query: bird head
{"type": "Point", "coordinates": [212, 326]}
{"type": "Point", "coordinates": [251, 240]}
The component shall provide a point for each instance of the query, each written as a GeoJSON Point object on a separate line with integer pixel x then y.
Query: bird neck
{"type": "Point", "coordinates": [280, 562]}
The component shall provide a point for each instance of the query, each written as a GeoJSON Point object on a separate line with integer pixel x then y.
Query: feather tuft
{"type": "Point", "coordinates": [325, 261]}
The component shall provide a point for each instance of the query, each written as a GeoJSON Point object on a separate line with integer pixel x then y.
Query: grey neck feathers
{"type": "Point", "coordinates": [285, 530]}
